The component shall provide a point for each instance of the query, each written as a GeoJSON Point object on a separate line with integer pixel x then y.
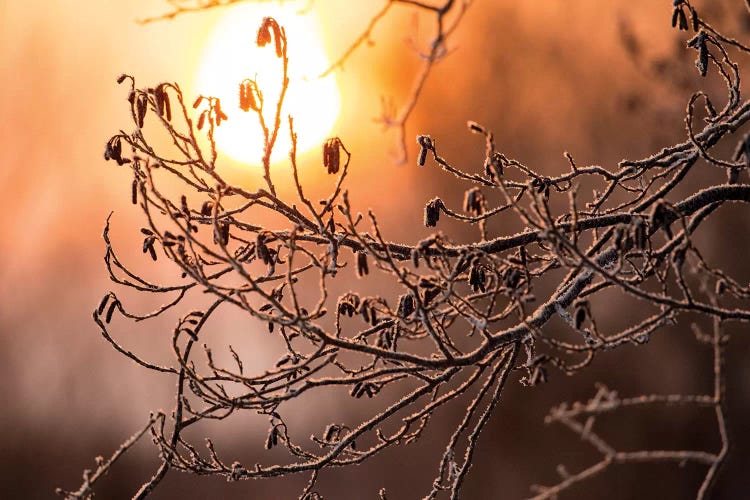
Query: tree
{"type": "Point", "coordinates": [467, 317]}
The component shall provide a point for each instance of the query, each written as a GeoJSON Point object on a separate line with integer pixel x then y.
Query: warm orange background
{"type": "Point", "coordinates": [546, 76]}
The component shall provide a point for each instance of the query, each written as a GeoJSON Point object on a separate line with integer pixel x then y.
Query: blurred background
{"type": "Point", "coordinates": [602, 80]}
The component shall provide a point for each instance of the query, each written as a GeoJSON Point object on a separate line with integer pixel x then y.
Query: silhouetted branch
{"type": "Point", "coordinates": [458, 315]}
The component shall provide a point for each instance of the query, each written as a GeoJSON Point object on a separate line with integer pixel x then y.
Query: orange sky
{"type": "Point", "coordinates": [60, 103]}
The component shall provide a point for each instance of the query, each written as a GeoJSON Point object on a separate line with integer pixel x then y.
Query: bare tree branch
{"type": "Point", "coordinates": [459, 315]}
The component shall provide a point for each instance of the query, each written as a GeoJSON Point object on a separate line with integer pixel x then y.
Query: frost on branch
{"type": "Point", "coordinates": [460, 318]}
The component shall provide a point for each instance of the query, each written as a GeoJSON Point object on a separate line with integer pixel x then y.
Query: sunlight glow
{"type": "Point", "coordinates": [231, 55]}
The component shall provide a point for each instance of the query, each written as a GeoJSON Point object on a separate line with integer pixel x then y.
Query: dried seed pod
{"type": "Point", "coordinates": [283, 361]}
{"type": "Point", "coordinates": [580, 314]}
{"type": "Point", "coordinates": [141, 106]}
{"type": "Point", "coordinates": [332, 431]}
{"type": "Point", "coordinates": [462, 264]}
{"type": "Point", "coordinates": [493, 166]}
{"type": "Point", "coordinates": [152, 252]}
{"type": "Point", "coordinates": [167, 106]}
{"type": "Point", "coordinates": [430, 290]}
{"type": "Point", "coordinates": [158, 94]}
{"type": "Point", "coordinates": [694, 19]}
{"type": "Point", "coordinates": [365, 312]}
{"type": "Point", "coordinates": [207, 208]}
{"type": "Point", "coordinates": [432, 212]}
{"type": "Point", "coordinates": [429, 294]}
{"type": "Point", "coordinates": [261, 249]}
{"type": "Point", "coordinates": [425, 144]}
{"type": "Point", "coordinates": [426, 283]}
{"type": "Point", "coordinates": [102, 304]}
{"type": "Point", "coordinates": [362, 388]}
{"type": "Point", "coordinates": [675, 14]}
{"type": "Point", "coordinates": [477, 278]}
{"type": "Point", "coordinates": [405, 305]}
{"type": "Point", "coordinates": [541, 185]}
{"type": "Point", "coordinates": [273, 438]}
{"type": "Point", "coordinates": [511, 277]}
{"type": "Point", "coordinates": [362, 269]}
{"type": "Point", "coordinates": [482, 279]}
{"type": "Point", "coordinates": [474, 278]}
{"type": "Point", "coordinates": [422, 158]}
{"type": "Point", "coordinates": [425, 141]}
{"type": "Point", "coordinates": [721, 287]}
{"type": "Point", "coordinates": [113, 151]}
{"type": "Point", "coordinates": [264, 34]}
{"type": "Point", "coordinates": [110, 311]}
{"type": "Point", "coordinates": [700, 43]}
{"type": "Point", "coordinates": [113, 145]}
{"type": "Point", "coordinates": [269, 26]}
{"type": "Point", "coordinates": [348, 304]}
{"type": "Point", "coordinates": [278, 46]}
{"type": "Point", "coordinates": [474, 201]}
{"type": "Point", "coordinates": [332, 155]}
{"type": "Point", "coordinates": [345, 308]}
{"type": "Point", "coordinates": [683, 23]}
{"type": "Point", "coordinates": [134, 192]}
{"type": "Point", "coordinates": [249, 96]}
{"type": "Point", "coordinates": [385, 339]}
{"type": "Point", "coordinates": [202, 119]}
{"type": "Point", "coordinates": [356, 391]}
{"type": "Point", "coordinates": [475, 127]}
{"type": "Point", "coordinates": [221, 233]}
{"type": "Point", "coordinates": [354, 300]}
{"type": "Point", "coordinates": [245, 104]}
{"type": "Point", "coordinates": [369, 313]}
{"type": "Point", "coordinates": [218, 112]}
{"type": "Point", "coordinates": [148, 242]}
{"type": "Point", "coordinates": [278, 292]}
{"type": "Point", "coordinates": [702, 62]}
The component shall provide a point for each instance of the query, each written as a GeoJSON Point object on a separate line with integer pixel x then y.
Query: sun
{"type": "Point", "coordinates": [231, 55]}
